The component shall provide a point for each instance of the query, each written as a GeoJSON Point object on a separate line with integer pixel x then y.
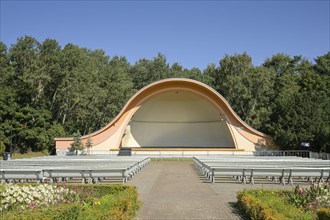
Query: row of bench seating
{"type": "Point", "coordinates": [248, 169]}
{"type": "Point", "coordinates": [84, 169]}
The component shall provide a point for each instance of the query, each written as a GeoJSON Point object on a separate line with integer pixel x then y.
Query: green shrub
{"type": "Point", "coordinates": [101, 190]}
{"type": "Point", "coordinates": [323, 214]}
{"type": "Point", "coordinates": [268, 205]}
{"type": "Point", "coordinates": [255, 208]}
{"type": "Point", "coordinates": [123, 205]}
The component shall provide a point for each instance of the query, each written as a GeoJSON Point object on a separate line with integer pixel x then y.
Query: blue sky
{"type": "Point", "coordinates": [192, 33]}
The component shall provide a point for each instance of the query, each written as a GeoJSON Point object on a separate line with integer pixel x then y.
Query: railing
{"type": "Point", "coordinates": [323, 156]}
{"type": "Point", "coordinates": [294, 153]}
{"type": "Point", "coordinates": [185, 154]}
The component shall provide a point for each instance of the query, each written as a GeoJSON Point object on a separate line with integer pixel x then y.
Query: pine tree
{"type": "Point", "coordinates": [89, 144]}
{"type": "Point", "coordinates": [77, 143]}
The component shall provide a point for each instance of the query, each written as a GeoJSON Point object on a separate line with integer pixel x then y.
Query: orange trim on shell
{"type": "Point", "coordinates": [166, 85]}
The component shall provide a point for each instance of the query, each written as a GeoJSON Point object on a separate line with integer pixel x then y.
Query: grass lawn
{"type": "Point", "coordinates": [27, 155]}
{"type": "Point", "coordinates": [172, 159]}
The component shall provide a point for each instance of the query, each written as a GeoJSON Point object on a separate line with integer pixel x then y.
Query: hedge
{"type": "Point", "coordinates": [269, 205]}
{"type": "Point", "coordinates": [323, 214]}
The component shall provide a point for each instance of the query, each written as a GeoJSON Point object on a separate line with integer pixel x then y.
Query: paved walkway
{"type": "Point", "coordinates": [173, 190]}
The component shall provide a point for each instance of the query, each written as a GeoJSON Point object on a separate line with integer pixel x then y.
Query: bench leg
{"type": "Point", "coordinates": [274, 179]}
{"type": "Point", "coordinates": [252, 180]}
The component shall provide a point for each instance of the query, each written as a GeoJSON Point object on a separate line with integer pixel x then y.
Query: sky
{"type": "Point", "coordinates": [191, 33]}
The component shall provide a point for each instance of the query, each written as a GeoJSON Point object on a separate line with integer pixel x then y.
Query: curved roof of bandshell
{"type": "Point", "coordinates": [176, 84]}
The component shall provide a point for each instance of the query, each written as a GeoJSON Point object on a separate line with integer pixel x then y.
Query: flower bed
{"type": "Point", "coordinates": [69, 201]}
{"type": "Point", "coordinates": [22, 197]}
{"type": "Point", "coordinates": [311, 198]}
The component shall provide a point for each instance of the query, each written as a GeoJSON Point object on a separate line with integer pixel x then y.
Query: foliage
{"type": "Point", "coordinates": [49, 91]}
{"type": "Point", "coordinates": [2, 147]}
{"type": "Point", "coordinates": [100, 190]}
{"type": "Point", "coordinates": [301, 203]}
{"type": "Point", "coordinates": [323, 64]}
{"type": "Point", "coordinates": [123, 205]}
{"type": "Point", "coordinates": [87, 202]}
{"type": "Point", "coordinates": [146, 71]}
{"type": "Point", "coordinates": [89, 143]}
{"type": "Point", "coordinates": [77, 143]}
{"type": "Point", "coordinates": [312, 198]}
{"type": "Point", "coordinates": [323, 214]}
{"type": "Point", "coordinates": [301, 107]}
{"type": "Point", "coordinates": [263, 204]}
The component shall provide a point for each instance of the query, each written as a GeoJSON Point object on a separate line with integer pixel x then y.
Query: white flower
{"type": "Point", "coordinates": [20, 199]}
{"type": "Point", "coordinates": [23, 195]}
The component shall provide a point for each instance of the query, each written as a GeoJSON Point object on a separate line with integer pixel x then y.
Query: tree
{"type": "Point", "coordinates": [282, 63]}
{"type": "Point", "coordinates": [248, 89]}
{"type": "Point", "coordinates": [230, 79]}
{"type": "Point", "coordinates": [50, 64]}
{"type": "Point", "coordinates": [300, 110]}
{"type": "Point", "coordinates": [116, 87]}
{"type": "Point", "coordinates": [8, 110]}
{"type": "Point", "coordinates": [257, 96]}
{"type": "Point", "coordinates": [89, 143]}
{"type": "Point", "coordinates": [6, 69]}
{"type": "Point", "coordinates": [147, 71]}
{"type": "Point", "coordinates": [2, 147]}
{"type": "Point", "coordinates": [46, 137]}
{"type": "Point", "coordinates": [305, 119]}
{"type": "Point", "coordinates": [47, 91]}
{"type": "Point", "coordinates": [77, 143]}
{"type": "Point", "coordinates": [323, 64]}
{"type": "Point", "coordinates": [210, 72]}
{"type": "Point", "coordinates": [29, 75]}
{"type": "Point", "coordinates": [29, 126]}
{"type": "Point", "coordinates": [194, 74]}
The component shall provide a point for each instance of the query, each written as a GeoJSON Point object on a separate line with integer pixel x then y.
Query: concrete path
{"type": "Point", "coordinates": [173, 190]}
